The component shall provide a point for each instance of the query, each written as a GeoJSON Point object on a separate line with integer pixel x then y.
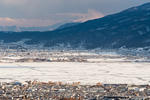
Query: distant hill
{"type": "Point", "coordinates": [20, 29]}
{"type": "Point", "coordinates": [129, 28]}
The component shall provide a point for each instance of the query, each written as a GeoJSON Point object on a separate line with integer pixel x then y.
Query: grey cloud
{"type": "Point", "coordinates": [50, 9]}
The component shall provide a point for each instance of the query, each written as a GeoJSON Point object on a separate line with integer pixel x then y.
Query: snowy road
{"type": "Point", "coordinates": [86, 73]}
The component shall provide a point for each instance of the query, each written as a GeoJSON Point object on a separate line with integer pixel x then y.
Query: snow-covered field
{"type": "Point", "coordinates": [86, 73]}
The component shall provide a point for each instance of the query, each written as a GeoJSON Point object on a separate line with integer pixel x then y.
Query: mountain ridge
{"type": "Point", "coordinates": [129, 28]}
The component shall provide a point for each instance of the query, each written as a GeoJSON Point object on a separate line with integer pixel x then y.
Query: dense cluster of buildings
{"type": "Point", "coordinates": [57, 91]}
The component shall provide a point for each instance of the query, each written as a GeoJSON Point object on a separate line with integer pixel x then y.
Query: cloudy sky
{"type": "Point", "coordinates": [49, 12]}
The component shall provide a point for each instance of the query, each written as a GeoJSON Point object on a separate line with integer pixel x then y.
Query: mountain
{"type": "Point", "coordinates": [129, 28]}
{"type": "Point", "coordinates": [20, 29]}
{"type": "Point", "coordinates": [68, 25]}
{"type": "Point", "coordinates": [8, 28]}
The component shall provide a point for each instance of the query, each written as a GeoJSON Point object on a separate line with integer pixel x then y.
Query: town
{"type": "Point", "coordinates": [34, 90]}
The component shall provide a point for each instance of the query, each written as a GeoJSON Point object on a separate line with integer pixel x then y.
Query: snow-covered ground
{"type": "Point", "coordinates": [86, 73]}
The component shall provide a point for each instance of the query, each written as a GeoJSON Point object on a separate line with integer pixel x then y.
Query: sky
{"type": "Point", "coordinates": [33, 13]}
